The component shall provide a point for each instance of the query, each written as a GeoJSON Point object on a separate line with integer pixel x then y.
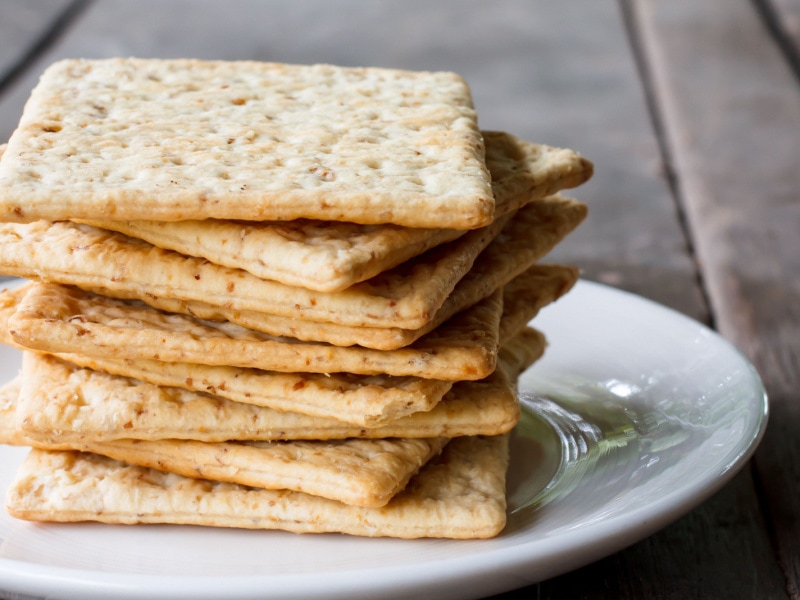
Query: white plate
{"type": "Point", "coordinates": [635, 415]}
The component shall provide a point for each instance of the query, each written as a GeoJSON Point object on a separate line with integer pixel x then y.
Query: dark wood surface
{"type": "Point", "coordinates": [690, 111]}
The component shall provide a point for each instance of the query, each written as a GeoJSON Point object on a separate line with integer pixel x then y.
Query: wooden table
{"type": "Point", "coordinates": [690, 111]}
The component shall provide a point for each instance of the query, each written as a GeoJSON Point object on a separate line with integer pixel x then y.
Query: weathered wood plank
{"type": "Point", "coordinates": [732, 114]}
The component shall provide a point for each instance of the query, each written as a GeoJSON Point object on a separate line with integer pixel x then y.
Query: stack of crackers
{"type": "Point", "coordinates": [272, 296]}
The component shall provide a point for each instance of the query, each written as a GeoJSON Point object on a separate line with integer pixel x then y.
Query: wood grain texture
{"type": "Point", "coordinates": [732, 109]}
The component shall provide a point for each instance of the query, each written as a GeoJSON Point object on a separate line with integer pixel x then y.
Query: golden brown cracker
{"type": "Point", "coordinates": [329, 256]}
{"type": "Point", "coordinates": [116, 265]}
{"type": "Point", "coordinates": [62, 403]}
{"type": "Point", "coordinates": [54, 318]}
{"type": "Point", "coordinates": [360, 472]}
{"type": "Point", "coordinates": [191, 139]}
{"type": "Point", "coordinates": [538, 229]}
{"type": "Point", "coordinates": [461, 495]}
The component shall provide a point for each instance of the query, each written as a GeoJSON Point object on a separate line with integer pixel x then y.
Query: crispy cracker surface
{"type": "Point", "coordinates": [461, 495]}
{"type": "Point", "coordinates": [116, 265]}
{"type": "Point", "coordinates": [516, 355]}
{"type": "Point", "coordinates": [367, 401]}
{"type": "Point", "coordinates": [523, 297]}
{"type": "Point", "coordinates": [191, 139]}
{"type": "Point", "coordinates": [330, 256]}
{"type": "Point", "coordinates": [360, 472]}
{"type": "Point", "coordinates": [407, 297]}
{"type": "Point", "coordinates": [534, 233]}
{"type": "Point", "coordinates": [362, 400]}
{"type": "Point", "coordinates": [62, 403]}
{"type": "Point", "coordinates": [54, 318]}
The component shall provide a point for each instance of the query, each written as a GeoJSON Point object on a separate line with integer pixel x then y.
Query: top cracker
{"type": "Point", "coordinates": [190, 139]}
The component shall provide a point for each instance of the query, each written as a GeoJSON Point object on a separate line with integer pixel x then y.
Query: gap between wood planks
{"type": "Point", "coordinates": [779, 32]}
{"type": "Point", "coordinates": [46, 39]}
{"type": "Point", "coordinates": [629, 19]}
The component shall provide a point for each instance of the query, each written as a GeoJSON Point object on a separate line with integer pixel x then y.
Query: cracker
{"type": "Point", "coordinates": [523, 297]}
{"type": "Point", "coordinates": [544, 224]}
{"type": "Point", "coordinates": [516, 355]}
{"type": "Point", "coordinates": [367, 401]}
{"type": "Point", "coordinates": [62, 403]}
{"type": "Point", "coordinates": [362, 400]}
{"type": "Point", "coordinates": [520, 168]}
{"type": "Point", "coordinates": [406, 297]}
{"type": "Point", "coordinates": [9, 432]}
{"type": "Point", "coordinates": [521, 351]}
{"type": "Point", "coordinates": [324, 256]}
{"type": "Point", "coordinates": [462, 495]}
{"type": "Point", "coordinates": [55, 318]}
{"type": "Point", "coordinates": [360, 472]}
{"type": "Point", "coordinates": [359, 399]}
{"type": "Point", "coordinates": [120, 266]}
{"type": "Point", "coordinates": [328, 256]}
{"type": "Point", "coordinates": [192, 139]}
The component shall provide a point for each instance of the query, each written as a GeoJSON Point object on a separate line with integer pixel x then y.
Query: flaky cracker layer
{"type": "Point", "coordinates": [361, 400]}
{"type": "Point", "coordinates": [366, 400]}
{"type": "Point", "coordinates": [329, 256]}
{"type": "Point", "coordinates": [191, 139]}
{"type": "Point", "coordinates": [55, 318]}
{"type": "Point", "coordinates": [406, 297]}
{"type": "Point", "coordinates": [461, 495]}
{"type": "Point", "coordinates": [62, 403]}
{"type": "Point", "coordinates": [116, 265]}
{"type": "Point", "coordinates": [537, 231]}
{"type": "Point", "coordinates": [360, 472]}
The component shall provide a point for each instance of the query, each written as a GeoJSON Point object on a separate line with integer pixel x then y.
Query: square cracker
{"type": "Point", "coordinates": [461, 495]}
{"type": "Point", "coordinates": [124, 267]}
{"type": "Point", "coordinates": [360, 472]}
{"type": "Point", "coordinates": [516, 355]}
{"type": "Point", "coordinates": [362, 400]}
{"type": "Point", "coordinates": [406, 297]}
{"type": "Point", "coordinates": [62, 403]}
{"type": "Point", "coordinates": [56, 318]}
{"type": "Point", "coordinates": [191, 139]}
{"type": "Point", "coordinates": [366, 400]}
{"type": "Point", "coordinates": [505, 257]}
{"type": "Point", "coordinates": [327, 256]}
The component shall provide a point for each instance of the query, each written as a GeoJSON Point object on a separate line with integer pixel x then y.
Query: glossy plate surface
{"type": "Point", "coordinates": [635, 415]}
